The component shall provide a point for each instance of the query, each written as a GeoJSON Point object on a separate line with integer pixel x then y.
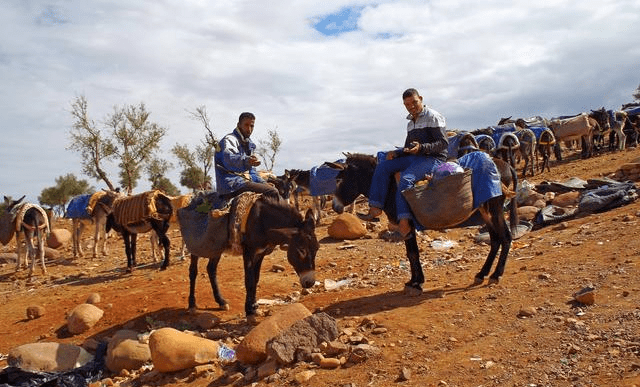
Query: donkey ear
{"type": "Point", "coordinates": [334, 165]}
{"type": "Point", "coordinates": [309, 221]}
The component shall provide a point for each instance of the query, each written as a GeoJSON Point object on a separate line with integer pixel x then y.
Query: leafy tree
{"type": "Point", "coordinates": [137, 138]}
{"type": "Point", "coordinates": [268, 149]}
{"type": "Point", "coordinates": [197, 164]}
{"type": "Point", "coordinates": [131, 141]}
{"type": "Point", "coordinates": [90, 142]}
{"type": "Point", "coordinates": [66, 187]}
{"type": "Point", "coordinates": [636, 94]}
{"type": "Point", "coordinates": [156, 170]}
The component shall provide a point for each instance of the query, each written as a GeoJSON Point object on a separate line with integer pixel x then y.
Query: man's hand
{"type": "Point", "coordinates": [414, 148]}
{"type": "Point", "coordinates": [253, 161]}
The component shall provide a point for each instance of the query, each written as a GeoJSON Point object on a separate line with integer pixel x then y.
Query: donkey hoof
{"type": "Point", "coordinates": [224, 307]}
{"type": "Point", "coordinates": [477, 281]}
{"type": "Point", "coordinates": [493, 281]}
{"type": "Point", "coordinates": [192, 310]}
{"type": "Point", "coordinates": [129, 270]}
{"type": "Point", "coordinates": [412, 290]}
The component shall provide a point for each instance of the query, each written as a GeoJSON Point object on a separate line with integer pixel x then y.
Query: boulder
{"type": "Point", "coordinates": [126, 352]}
{"type": "Point", "coordinates": [50, 253]}
{"type": "Point", "coordinates": [297, 342]}
{"type": "Point", "coordinates": [346, 226]}
{"type": "Point", "coordinates": [58, 237]}
{"type": "Point", "coordinates": [173, 350]}
{"type": "Point", "coordinates": [94, 298]}
{"type": "Point", "coordinates": [83, 317]}
{"type": "Point", "coordinates": [48, 357]}
{"type": "Point", "coordinates": [253, 348]}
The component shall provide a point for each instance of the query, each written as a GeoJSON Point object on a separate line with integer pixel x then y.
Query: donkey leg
{"type": "Point", "coordinates": [212, 270]}
{"type": "Point", "coordinates": [489, 210]}
{"type": "Point", "coordinates": [414, 286]}
{"type": "Point", "coordinates": [40, 239]}
{"type": "Point", "coordinates": [504, 238]}
{"type": "Point", "coordinates": [193, 275]}
{"type": "Point", "coordinates": [31, 252]}
{"type": "Point", "coordinates": [166, 244]}
{"type": "Point", "coordinates": [18, 252]}
{"type": "Point", "coordinates": [252, 263]}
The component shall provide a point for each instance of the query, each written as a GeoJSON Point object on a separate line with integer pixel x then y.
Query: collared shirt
{"type": "Point", "coordinates": [429, 130]}
{"type": "Point", "coordinates": [428, 118]}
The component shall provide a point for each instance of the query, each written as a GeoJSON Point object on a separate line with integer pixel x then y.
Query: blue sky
{"type": "Point", "coordinates": [328, 77]}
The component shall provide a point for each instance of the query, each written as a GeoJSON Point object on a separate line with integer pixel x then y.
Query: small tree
{"type": "Point", "coordinates": [197, 164]}
{"type": "Point", "coordinates": [268, 149]}
{"type": "Point", "coordinates": [137, 138]}
{"type": "Point", "coordinates": [156, 170]}
{"type": "Point", "coordinates": [66, 187]}
{"type": "Point", "coordinates": [89, 141]}
{"type": "Point", "coordinates": [636, 94]}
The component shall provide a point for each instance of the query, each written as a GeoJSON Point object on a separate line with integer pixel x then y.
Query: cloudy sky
{"type": "Point", "coordinates": [328, 76]}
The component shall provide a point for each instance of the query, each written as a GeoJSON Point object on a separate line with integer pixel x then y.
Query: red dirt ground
{"type": "Point", "coordinates": [451, 335]}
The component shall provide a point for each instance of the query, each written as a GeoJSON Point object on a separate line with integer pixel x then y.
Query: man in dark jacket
{"type": "Point", "coordinates": [425, 148]}
{"type": "Point", "coordinates": [236, 162]}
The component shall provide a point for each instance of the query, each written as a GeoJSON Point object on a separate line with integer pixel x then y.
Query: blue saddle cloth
{"type": "Point", "coordinates": [77, 207]}
{"type": "Point", "coordinates": [499, 130]}
{"type": "Point", "coordinates": [322, 180]}
{"type": "Point", "coordinates": [633, 111]}
{"type": "Point", "coordinates": [485, 178]}
{"type": "Point", "coordinates": [537, 130]}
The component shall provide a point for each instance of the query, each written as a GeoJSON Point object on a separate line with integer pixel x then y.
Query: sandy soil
{"type": "Point", "coordinates": [451, 335]}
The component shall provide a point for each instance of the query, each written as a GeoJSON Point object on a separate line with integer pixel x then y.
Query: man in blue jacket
{"type": "Point", "coordinates": [425, 148]}
{"type": "Point", "coordinates": [236, 162]}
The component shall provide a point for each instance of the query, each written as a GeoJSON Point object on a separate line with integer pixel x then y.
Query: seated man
{"type": "Point", "coordinates": [425, 148]}
{"type": "Point", "coordinates": [235, 162]}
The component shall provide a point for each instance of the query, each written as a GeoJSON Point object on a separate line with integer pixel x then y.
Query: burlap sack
{"type": "Point", "coordinates": [443, 203]}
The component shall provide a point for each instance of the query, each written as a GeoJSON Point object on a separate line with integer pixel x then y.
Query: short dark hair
{"type": "Point", "coordinates": [410, 93]}
{"type": "Point", "coordinates": [246, 115]}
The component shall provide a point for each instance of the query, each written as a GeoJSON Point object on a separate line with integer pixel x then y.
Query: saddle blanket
{"type": "Point", "coordinates": [485, 178]}
{"type": "Point", "coordinates": [132, 209]}
{"type": "Point", "coordinates": [322, 180]}
{"type": "Point", "coordinates": [77, 207]}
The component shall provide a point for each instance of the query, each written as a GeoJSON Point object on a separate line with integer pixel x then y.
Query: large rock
{"type": "Point", "coordinates": [126, 352]}
{"type": "Point", "coordinates": [253, 348]}
{"type": "Point", "coordinates": [48, 357]}
{"type": "Point", "coordinates": [298, 341]}
{"type": "Point", "coordinates": [173, 350]}
{"type": "Point", "coordinates": [58, 237]}
{"type": "Point", "coordinates": [83, 317]}
{"type": "Point", "coordinates": [346, 226]}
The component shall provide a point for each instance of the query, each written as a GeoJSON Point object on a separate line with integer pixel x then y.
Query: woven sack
{"type": "Point", "coordinates": [7, 227]}
{"type": "Point", "coordinates": [442, 203]}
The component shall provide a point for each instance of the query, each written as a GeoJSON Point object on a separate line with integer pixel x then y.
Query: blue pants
{"type": "Point", "coordinates": [412, 168]}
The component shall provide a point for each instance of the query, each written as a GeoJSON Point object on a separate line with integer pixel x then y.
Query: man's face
{"type": "Point", "coordinates": [413, 105]}
{"type": "Point", "coordinates": [246, 126]}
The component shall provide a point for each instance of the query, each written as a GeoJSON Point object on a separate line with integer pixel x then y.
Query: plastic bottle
{"type": "Point", "coordinates": [225, 353]}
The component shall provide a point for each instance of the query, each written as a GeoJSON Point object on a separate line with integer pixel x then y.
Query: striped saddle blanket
{"type": "Point", "coordinates": [136, 208]}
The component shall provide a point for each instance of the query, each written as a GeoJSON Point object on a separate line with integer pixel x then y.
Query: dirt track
{"type": "Point", "coordinates": [452, 335]}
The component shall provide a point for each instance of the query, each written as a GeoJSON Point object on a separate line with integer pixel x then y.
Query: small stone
{"type": "Point", "coordinates": [527, 312]}
{"type": "Point", "coordinates": [35, 311]}
{"type": "Point", "coordinates": [277, 268]}
{"type": "Point", "coordinates": [94, 298]}
{"type": "Point", "coordinates": [378, 331]}
{"type": "Point", "coordinates": [330, 362]}
{"type": "Point", "coordinates": [304, 376]}
{"type": "Point", "coordinates": [405, 374]}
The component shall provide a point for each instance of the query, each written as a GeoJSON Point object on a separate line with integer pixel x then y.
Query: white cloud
{"type": "Point", "coordinates": [474, 61]}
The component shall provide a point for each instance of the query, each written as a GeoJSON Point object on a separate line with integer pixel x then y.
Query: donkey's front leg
{"type": "Point", "coordinates": [252, 263]}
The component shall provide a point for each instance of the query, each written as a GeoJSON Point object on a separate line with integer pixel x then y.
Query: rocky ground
{"type": "Point", "coordinates": [528, 330]}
